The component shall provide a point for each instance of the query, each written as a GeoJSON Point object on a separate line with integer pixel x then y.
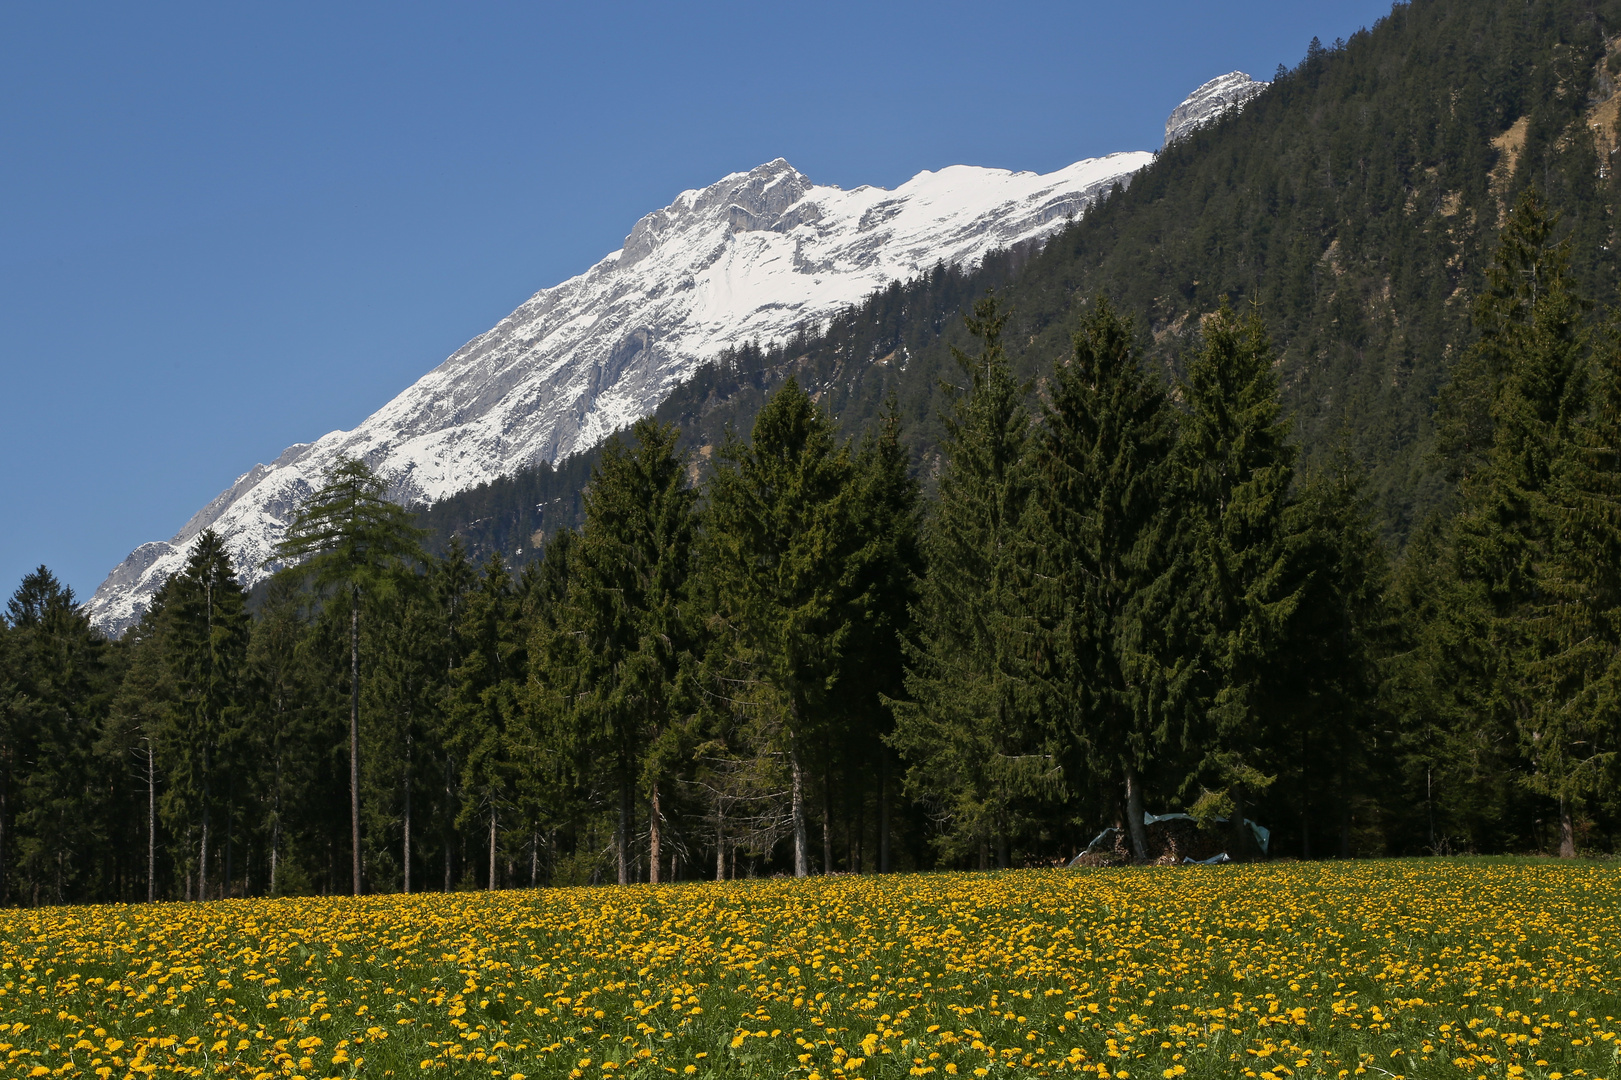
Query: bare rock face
{"type": "Point", "coordinates": [752, 257]}
{"type": "Point", "coordinates": [1209, 103]}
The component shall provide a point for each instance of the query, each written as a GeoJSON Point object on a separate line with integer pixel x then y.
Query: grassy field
{"type": "Point", "coordinates": [1441, 968]}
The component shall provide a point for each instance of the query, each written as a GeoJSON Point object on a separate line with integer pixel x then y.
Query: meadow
{"type": "Point", "coordinates": [1438, 968]}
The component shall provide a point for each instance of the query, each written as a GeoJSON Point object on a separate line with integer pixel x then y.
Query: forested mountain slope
{"type": "Point", "coordinates": [1356, 202]}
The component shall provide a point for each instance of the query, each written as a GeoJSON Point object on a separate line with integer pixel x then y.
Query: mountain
{"type": "Point", "coordinates": [1209, 103]}
{"type": "Point", "coordinates": [753, 257]}
{"type": "Point", "coordinates": [1355, 205]}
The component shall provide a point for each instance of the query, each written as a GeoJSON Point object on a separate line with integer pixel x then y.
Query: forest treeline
{"type": "Point", "coordinates": [1128, 598]}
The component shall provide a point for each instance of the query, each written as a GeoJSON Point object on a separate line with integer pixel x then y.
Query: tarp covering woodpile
{"type": "Point", "coordinates": [1173, 840]}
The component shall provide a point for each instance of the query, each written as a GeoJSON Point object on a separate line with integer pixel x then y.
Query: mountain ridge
{"type": "Point", "coordinates": [755, 256]}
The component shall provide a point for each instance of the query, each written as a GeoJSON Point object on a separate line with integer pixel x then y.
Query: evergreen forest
{"type": "Point", "coordinates": [1283, 486]}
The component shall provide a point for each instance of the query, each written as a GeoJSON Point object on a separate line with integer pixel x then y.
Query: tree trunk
{"type": "Point", "coordinates": [653, 837]}
{"type": "Point", "coordinates": [450, 833]}
{"type": "Point", "coordinates": [720, 848]}
{"type": "Point", "coordinates": [5, 773]}
{"type": "Point", "coordinates": [405, 843]}
{"type": "Point", "coordinates": [1429, 807]}
{"type": "Point", "coordinates": [1134, 814]}
{"type": "Point", "coordinates": [151, 826]}
{"type": "Point", "coordinates": [883, 812]}
{"type": "Point", "coordinates": [801, 837]}
{"type": "Point", "coordinates": [1241, 831]}
{"type": "Point", "coordinates": [202, 866]}
{"type": "Point", "coordinates": [1567, 830]}
{"type": "Point", "coordinates": [230, 865]}
{"type": "Point", "coordinates": [858, 833]}
{"type": "Point", "coordinates": [1305, 797]}
{"type": "Point", "coordinates": [622, 838]}
{"type": "Point", "coordinates": [827, 821]}
{"type": "Point", "coordinates": [492, 851]}
{"type": "Point", "coordinates": [354, 733]}
{"type": "Point", "coordinates": [275, 825]}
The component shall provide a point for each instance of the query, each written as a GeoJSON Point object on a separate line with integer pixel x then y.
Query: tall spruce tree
{"type": "Point", "coordinates": [59, 698]}
{"type": "Point", "coordinates": [1234, 466]}
{"type": "Point", "coordinates": [205, 640]}
{"type": "Point", "coordinates": [284, 732]}
{"type": "Point", "coordinates": [140, 714]}
{"type": "Point", "coordinates": [1340, 635]}
{"type": "Point", "coordinates": [1104, 456]}
{"type": "Point", "coordinates": [484, 695]}
{"type": "Point", "coordinates": [628, 604]}
{"type": "Point", "coordinates": [451, 580]}
{"type": "Point", "coordinates": [784, 562]}
{"type": "Point", "coordinates": [1507, 541]}
{"type": "Point", "coordinates": [970, 726]}
{"type": "Point", "coordinates": [406, 687]}
{"type": "Point", "coordinates": [1577, 728]}
{"type": "Point", "coordinates": [350, 539]}
{"type": "Point", "coordinates": [887, 513]}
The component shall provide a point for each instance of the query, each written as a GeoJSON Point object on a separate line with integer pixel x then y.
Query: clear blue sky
{"type": "Point", "coordinates": [227, 228]}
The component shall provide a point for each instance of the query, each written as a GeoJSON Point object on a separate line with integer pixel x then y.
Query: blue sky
{"type": "Point", "coordinates": [227, 228]}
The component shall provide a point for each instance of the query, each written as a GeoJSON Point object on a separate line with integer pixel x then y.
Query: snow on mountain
{"type": "Point", "coordinates": [1209, 103]}
{"type": "Point", "coordinates": [752, 257]}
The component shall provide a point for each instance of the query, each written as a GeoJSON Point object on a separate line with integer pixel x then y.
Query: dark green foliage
{"type": "Point", "coordinates": [483, 705]}
{"type": "Point", "coordinates": [203, 627]}
{"type": "Point", "coordinates": [618, 640]}
{"type": "Point", "coordinates": [1233, 470]}
{"type": "Point", "coordinates": [57, 697]}
{"type": "Point", "coordinates": [347, 537]}
{"type": "Point", "coordinates": [511, 516]}
{"type": "Point", "coordinates": [1512, 579]}
{"type": "Point", "coordinates": [1103, 522]}
{"type": "Point", "coordinates": [784, 561]}
{"type": "Point", "coordinates": [972, 730]}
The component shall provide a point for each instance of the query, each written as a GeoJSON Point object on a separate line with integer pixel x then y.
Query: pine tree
{"type": "Point", "coordinates": [349, 538]}
{"type": "Point", "coordinates": [204, 643]}
{"type": "Point", "coordinates": [783, 561]}
{"type": "Point", "coordinates": [1104, 455]}
{"type": "Point", "coordinates": [1234, 467]}
{"type": "Point", "coordinates": [11, 728]}
{"type": "Point", "coordinates": [60, 697]}
{"type": "Point", "coordinates": [970, 728]}
{"type": "Point", "coordinates": [1506, 537]}
{"type": "Point", "coordinates": [1577, 723]}
{"type": "Point", "coordinates": [146, 695]}
{"type": "Point", "coordinates": [407, 686]}
{"type": "Point", "coordinates": [887, 513]}
{"type": "Point", "coordinates": [484, 698]}
{"type": "Point", "coordinates": [625, 612]}
{"type": "Point", "coordinates": [284, 734]}
{"type": "Point", "coordinates": [1340, 634]}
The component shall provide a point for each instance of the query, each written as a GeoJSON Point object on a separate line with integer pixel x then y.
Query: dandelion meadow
{"type": "Point", "coordinates": [1440, 968]}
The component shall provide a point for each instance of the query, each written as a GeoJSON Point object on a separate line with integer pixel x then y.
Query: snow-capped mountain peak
{"type": "Point", "coordinates": [1209, 103]}
{"type": "Point", "coordinates": [752, 257]}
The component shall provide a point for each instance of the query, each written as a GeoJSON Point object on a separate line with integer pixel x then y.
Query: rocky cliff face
{"type": "Point", "coordinates": [753, 256]}
{"type": "Point", "coordinates": [1209, 103]}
